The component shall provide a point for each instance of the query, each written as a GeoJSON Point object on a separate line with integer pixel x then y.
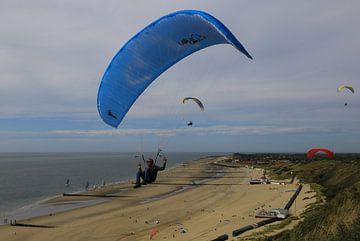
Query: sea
{"type": "Point", "coordinates": [27, 178]}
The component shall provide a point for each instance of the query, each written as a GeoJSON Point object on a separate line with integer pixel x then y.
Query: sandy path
{"type": "Point", "coordinates": [206, 211]}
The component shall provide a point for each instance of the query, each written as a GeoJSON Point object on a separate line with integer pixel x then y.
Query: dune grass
{"type": "Point", "coordinates": [336, 214]}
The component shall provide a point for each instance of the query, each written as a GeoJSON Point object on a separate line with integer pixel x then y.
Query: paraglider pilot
{"type": "Point", "coordinates": [150, 173]}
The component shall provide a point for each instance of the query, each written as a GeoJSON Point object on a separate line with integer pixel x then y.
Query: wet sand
{"type": "Point", "coordinates": [195, 201]}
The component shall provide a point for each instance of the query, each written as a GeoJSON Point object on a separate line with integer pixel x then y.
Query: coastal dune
{"type": "Point", "coordinates": [194, 201]}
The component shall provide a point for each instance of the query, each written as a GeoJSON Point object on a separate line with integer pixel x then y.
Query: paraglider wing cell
{"type": "Point", "coordinates": [151, 52]}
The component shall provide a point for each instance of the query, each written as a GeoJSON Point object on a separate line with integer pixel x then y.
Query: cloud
{"type": "Point", "coordinates": [53, 56]}
{"type": "Point", "coordinates": [164, 132]}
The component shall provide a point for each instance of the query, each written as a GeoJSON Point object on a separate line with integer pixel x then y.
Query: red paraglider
{"type": "Point", "coordinates": [313, 151]}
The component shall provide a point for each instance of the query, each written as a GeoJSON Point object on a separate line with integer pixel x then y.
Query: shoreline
{"type": "Point", "coordinates": [41, 207]}
{"type": "Point", "coordinates": [174, 205]}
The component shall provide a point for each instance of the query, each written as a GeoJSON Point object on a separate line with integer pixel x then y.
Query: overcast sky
{"type": "Point", "coordinates": [53, 55]}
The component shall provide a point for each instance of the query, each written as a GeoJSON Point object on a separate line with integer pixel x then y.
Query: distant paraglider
{"type": "Point", "coordinates": [151, 52]}
{"type": "Point", "coordinates": [196, 100]}
{"type": "Point", "coordinates": [314, 151]}
{"type": "Point", "coordinates": [346, 87]}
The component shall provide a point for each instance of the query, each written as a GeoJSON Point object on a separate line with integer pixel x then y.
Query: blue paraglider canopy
{"type": "Point", "coordinates": [151, 52]}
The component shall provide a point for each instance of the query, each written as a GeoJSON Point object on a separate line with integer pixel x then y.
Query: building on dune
{"type": "Point", "coordinates": [274, 213]}
{"type": "Point", "coordinates": [262, 180]}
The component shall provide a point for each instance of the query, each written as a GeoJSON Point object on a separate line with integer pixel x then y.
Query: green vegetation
{"type": "Point", "coordinates": [336, 213]}
{"type": "Point", "coordinates": [336, 181]}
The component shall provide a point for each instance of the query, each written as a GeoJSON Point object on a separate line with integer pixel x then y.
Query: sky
{"type": "Point", "coordinates": [53, 55]}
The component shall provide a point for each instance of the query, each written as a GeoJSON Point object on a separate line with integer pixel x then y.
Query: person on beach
{"type": "Point", "coordinates": [150, 173]}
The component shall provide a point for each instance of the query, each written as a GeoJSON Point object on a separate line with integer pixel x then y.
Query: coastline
{"type": "Point", "coordinates": [42, 207]}
{"type": "Point", "coordinates": [204, 210]}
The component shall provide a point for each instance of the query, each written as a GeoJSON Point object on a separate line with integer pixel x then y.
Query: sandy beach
{"type": "Point", "coordinates": [194, 201]}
